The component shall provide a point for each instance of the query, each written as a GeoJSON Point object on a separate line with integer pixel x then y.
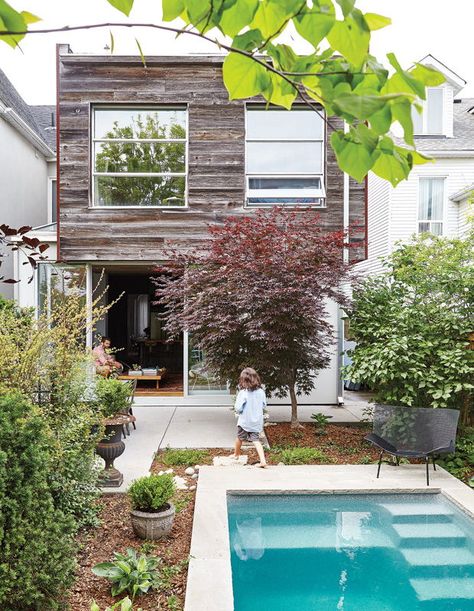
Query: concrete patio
{"type": "Point", "coordinates": [202, 427]}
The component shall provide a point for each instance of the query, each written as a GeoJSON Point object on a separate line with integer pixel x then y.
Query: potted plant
{"type": "Point", "coordinates": [113, 397]}
{"type": "Point", "coordinates": [152, 514]}
{"type": "Point", "coordinates": [136, 370]}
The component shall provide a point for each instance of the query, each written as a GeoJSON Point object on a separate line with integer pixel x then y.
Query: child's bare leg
{"type": "Point", "coordinates": [261, 453]}
{"type": "Point", "coordinates": [237, 447]}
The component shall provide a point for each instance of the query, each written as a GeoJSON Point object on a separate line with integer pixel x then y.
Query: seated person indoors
{"type": "Point", "coordinates": [105, 363]}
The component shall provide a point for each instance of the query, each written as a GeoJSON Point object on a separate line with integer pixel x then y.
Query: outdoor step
{"type": "Point", "coordinates": [447, 561]}
{"type": "Point", "coordinates": [416, 513]}
{"type": "Point", "coordinates": [441, 535]}
{"type": "Point", "coordinates": [308, 536]}
{"type": "Point", "coordinates": [443, 589]}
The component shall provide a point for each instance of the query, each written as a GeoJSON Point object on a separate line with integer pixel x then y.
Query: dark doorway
{"type": "Point", "coordinates": [135, 327]}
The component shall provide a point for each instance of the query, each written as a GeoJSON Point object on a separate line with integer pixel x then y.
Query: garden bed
{"type": "Point", "coordinates": [331, 444]}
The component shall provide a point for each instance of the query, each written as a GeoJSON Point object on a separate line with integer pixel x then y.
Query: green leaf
{"type": "Point", "coordinates": [112, 42]}
{"type": "Point", "coordinates": [350, 39]}
{"type": "Point", "coordinates": [429, 76]}
{"type": "Point", "coordinates": [124, 6]}
{"type": "Point", "coordinates": [316, 22]}
{"type": "Point", "coordinates": [282, 93]}
{"type": "Point", "coordinates": [237, 16]}
{"type": "Point", "coordinates": [29, 17]}
{"type": "Point", "coordinates": [107, 569]}
{"type": "Point", "coordinates": [359, 106]}
{"type": "Point", "coordinates": [381, 121]}
{"type": "Point", "coordinates": [269, 17]}
{"type": "Point", "coordinates": [11, 21]}
{"type": "Point", "coordinates": [401, 111]}
{"type": "Point", "coordinates": [391, 166]}
{"type": "Point", "coordinates": [402, 81]}
{"type": "Point", "coordinates": [141, 52]}
{"type": "Point", "coordinates": [248, 41]}
{"type": "Point", "coordinates": [243, 77]}
{"type": "Point", "coordinates": [352, 157]}
{"type": "Point", "coordinates": [172, 9]}
{"type": "Point", "coordinates": [376, 22]}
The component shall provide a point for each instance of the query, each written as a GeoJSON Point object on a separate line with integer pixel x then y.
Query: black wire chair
{"type": "Point", "coordinates": [414, 432]}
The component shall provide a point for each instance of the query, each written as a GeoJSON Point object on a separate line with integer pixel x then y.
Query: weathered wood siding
{"type": "Point", "coordinates": [216, 156]}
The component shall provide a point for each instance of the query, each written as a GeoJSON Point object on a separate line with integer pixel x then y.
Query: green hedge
{"type": "Point", "coordinates": [36, 539]}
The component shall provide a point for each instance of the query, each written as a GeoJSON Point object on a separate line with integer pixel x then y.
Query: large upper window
{"type": "Point", "coordinates": [430, 120]}
{"type": "Point", "coordinates": [284, 157]}
{"type": "Point", "coordinates": [431, 206]}
{"type": "Point", "coordinates": [139, 156]}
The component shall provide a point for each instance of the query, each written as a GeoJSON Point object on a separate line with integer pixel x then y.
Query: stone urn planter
{"type": "Point", "coordinates": [152, 513]}
{"type": "Point", "coordinates": [155, 525]}
{"type": "Point", "coordinates": [109, 448]}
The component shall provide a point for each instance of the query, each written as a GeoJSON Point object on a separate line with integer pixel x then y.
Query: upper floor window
{"type": "Point", "coordinates": [430, 120]}
{"type": "Point", "coordinates": [284, 157]}
{"type": "Point", "coordinates": [52, 200]}
{"type": "Point", "coordinates": [431, 206]}
{"type": "Point", "coordinates": [139, 156]}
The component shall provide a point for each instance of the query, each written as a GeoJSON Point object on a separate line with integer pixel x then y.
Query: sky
{"type": "Point", "coordinates": [418, 27]}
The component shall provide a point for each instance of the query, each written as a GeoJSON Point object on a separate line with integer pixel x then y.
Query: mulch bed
{"type": "Point", "coordinates": [340, 444]}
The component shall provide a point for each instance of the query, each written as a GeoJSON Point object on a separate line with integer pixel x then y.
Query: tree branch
{"type": "Point", "coordinates": [269, 67]}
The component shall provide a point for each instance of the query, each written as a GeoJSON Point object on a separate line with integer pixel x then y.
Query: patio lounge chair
{"type": "Point", "coordinates": [413, 432]}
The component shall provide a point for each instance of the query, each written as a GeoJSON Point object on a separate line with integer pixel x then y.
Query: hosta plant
{"type": "Point", "coordinates": [130, 573]}
{"type": "Point", "coordinates": [122, 605]}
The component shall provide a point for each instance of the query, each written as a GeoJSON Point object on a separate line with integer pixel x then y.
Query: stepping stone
{"type": "Point", "coordinates": [226, 461]}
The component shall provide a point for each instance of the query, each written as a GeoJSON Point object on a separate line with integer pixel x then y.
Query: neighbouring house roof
{"type": "Point", "coordinates": [40, 119]}
{"type": "Point", "coordinates": [456, 81]}
{"type": "Point", "coordinates": [463, 131]}
{"type": "Point", "coordinates": [463, 194]}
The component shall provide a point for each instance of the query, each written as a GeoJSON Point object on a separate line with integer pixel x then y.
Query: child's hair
{"type": "Point", "coordinates": [249, 379]}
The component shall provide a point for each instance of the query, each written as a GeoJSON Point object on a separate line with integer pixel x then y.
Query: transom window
{"type": "Point", "coordinates": [430, 120]}
{"type": "Point", "coordinates": [284, 157]}
{"type": "Point", "coordinates": [431, 206]}
{"type": "Point", "coordinates": [140, 156]}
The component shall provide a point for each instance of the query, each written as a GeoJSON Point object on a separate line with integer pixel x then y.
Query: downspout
{"type": "Point", "coordinates": [340, 323]}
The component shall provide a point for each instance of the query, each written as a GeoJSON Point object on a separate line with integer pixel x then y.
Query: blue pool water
{"type": "Point", "coordinates": [350, 553]}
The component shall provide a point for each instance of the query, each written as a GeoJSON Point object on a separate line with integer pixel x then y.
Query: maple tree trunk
{"type": "Point", "coordinates": [295, 423]}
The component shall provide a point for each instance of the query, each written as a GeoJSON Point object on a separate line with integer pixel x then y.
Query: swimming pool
{"type": "Point", "coordinates": [372, 552]}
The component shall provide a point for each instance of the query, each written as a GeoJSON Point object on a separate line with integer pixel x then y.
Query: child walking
{"type": "Point", "coordinates": [249, 404]}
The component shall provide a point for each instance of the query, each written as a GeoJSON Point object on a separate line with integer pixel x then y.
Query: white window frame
{"type": "Point", "coordinates": [282, 193]}
{"type": "Point", "coordinates": [442, 220]}
{"type": "Point", "coordinates": [425, 113]}
{"type": "Point", "coordinates": [94, 140]}
{"type": "Point", "coordinates": [51, 180]}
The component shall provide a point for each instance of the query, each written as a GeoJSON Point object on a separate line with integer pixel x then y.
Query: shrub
{"type": "Point", "coordinates": [300, 456]}
{"type": "Point", "coordinates": [113, 396]}
{"type": "Point", "coordinates": [152, 492]}
{"type": "Point", "coordinates": [321, 421]}
{"type": "Point", "coordinates": [186, 457]}
{"type": "Point", "coordinates": [461, 464]}
{"type": "Point", "coordinates": [129, 573]}
{"type": "Point", "coordinates": [45, 360]}
{"type": "Point", "coordinates": [36, 538]}
{"type": "Point", "coordinates": [411, 326]}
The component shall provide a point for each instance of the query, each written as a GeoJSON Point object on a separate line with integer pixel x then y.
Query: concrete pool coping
{"type": "Point", "coordinates": [209, 586]}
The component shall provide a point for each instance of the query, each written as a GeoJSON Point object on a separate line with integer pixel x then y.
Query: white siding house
{"type": "Point", "coordinates": [435, 196]}
{"type": "Point", "coordinates": [27, 167]}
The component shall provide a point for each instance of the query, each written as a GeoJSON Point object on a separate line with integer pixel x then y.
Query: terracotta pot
{"type": "Point", "coordinates": [110, 448]}
{"type": "Point", "coordinates": [153, 526]}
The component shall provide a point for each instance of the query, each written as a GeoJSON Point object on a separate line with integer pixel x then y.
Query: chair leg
{"type": "Point", "coordinates": [380, 462]}
{"type": "Point", "coordinates": [130, 411]}
{"type": "Point", "coordinates": [397, 458]}
{"type": "Point", "coordinates": [427, 461]}
{"type": "Point", "coordinates": [434, 463]}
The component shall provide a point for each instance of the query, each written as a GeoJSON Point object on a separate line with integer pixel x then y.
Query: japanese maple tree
{"type": "Point", "coordinates": [258, 295]}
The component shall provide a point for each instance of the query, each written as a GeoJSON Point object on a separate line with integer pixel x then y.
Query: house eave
{"type": "Point", "coordinates": [14, 119]}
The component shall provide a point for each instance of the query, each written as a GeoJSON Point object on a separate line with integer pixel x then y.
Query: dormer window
{"type": "Point", "coordinates": [430, 121]}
